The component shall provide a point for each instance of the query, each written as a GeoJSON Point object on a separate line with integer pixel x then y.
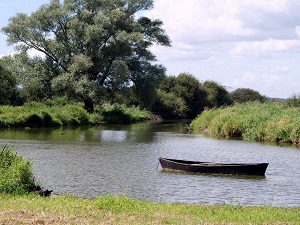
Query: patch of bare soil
{"type": "Point", "coordinates": [25, 217]}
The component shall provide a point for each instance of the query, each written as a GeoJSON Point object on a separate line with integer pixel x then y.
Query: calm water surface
{"type": "Point", "coordinates": [123, 159]}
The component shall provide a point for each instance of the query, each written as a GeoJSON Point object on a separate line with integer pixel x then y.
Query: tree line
{"type": "Point", "coordinates": [97, 52]}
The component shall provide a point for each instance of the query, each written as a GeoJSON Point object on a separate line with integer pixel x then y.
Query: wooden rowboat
{"type": "Point", "coordinates": [257, 169]}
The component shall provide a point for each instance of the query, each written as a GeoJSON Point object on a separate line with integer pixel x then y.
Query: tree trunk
{"type": "Point", "coordinates": [88, 104]}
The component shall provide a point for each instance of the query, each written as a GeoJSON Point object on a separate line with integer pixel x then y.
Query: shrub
{"type": "Point", "coordinates": [16, 176]}
{"type": "Point", "coordinates": [72, 115]}
{"type": "Point", "coordinates": [115, 114]}
{"type": "Point", "coordinates": [294, 100]}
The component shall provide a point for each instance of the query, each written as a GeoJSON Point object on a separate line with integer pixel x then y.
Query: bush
{"type": "Point", "coordinates": [72, 115]}
{"type": "Point", "coordinates": [294, 100]}
{"type": "Point", "coordinates": [16, 176]}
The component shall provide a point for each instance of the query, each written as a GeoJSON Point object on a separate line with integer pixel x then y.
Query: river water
{"type": "Point", "coordinates": [123, 159]}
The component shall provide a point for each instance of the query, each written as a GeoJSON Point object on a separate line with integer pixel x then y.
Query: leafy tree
{"type": "Point", "coordinates": [217, 94]}
{"type": "Point", "coordinates": [144, 90]}
{"type": "Point", "coordinates": [170, 106]}
{"type": "Point", "coordinates": [242, 95]}
{"type": "Point", "coordinates": [33, 75]}
{"type": "Point", "coordinates": [180, 97]}
{"type": "Point", "coordinates": [294, 100]}
{"type": "Point", "coordinates": [8, 88]}
{"type": "Point", "coordinates": [94, 44]}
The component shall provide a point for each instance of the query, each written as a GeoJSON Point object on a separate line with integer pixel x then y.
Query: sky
{"type": "Point", "coordinates": [237, 43]}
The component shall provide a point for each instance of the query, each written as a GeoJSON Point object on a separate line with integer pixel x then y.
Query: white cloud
{"type": "Point", "coordinates": [203, 20]}
{"type": "Point", "coordinates": [281, 70]}
{"type": "Point", "coordinates": [202, 30]}
{"type": "Point", "coordinates": [297, 30]}
{"type": "Point", "coordinates": [263, 48]}
{"type": "Point", "coordinates": [276, 80]}
{"type": "Point", "coordinates": [227, 20]}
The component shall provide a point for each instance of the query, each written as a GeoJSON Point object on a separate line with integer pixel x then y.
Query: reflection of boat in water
{"type": "Point", "coordinates": [257, 169]}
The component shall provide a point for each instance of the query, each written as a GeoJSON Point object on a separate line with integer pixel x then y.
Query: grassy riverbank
{"type": "Point", "coordinates": [121, 210]}
{"type": "Point", "coordinates": [274, 122]}
{"type": "Point", "coordinates": [19, 207]}
{"type": "Point", "coordinates": [55, 115]}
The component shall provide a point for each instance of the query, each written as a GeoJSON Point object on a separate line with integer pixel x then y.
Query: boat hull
{"type": "Point", "coordinates": [257, 169]}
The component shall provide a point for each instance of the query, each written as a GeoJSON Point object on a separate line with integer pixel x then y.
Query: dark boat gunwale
{"type": "Point", "coordinates": [214, 168]}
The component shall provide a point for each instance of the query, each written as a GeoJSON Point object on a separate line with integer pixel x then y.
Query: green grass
{"type": "Point", "coordinates": [122, 210]}
{"type": "Point", "coordinates": [274, 122]}
{"type": "Point", "coordinates": [51, 115]}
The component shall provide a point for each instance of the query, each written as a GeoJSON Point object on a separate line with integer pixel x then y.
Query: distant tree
{"type": "Point", "coordinates": [242, 95]}
{"type": "Point", "coordinates": [294, 100]}
{"type": "Point", "coordinates": [96, 45]}
{"type": "Point", "coordinates": [143, 92]}
{"type": "Point", "coordinates": [217, 94]}
{"type": "Point", "coordinates": [169, 106]}
{"type": "Point", "coordinates": [180, 97]}
{"type": "Point", "coordinates": [8, 88]}
{"type": "Point", "coordinates": [33, 75]}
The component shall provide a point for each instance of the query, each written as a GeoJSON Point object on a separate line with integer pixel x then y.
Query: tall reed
{"type": "Point", "coordinates": [36, 114]}
{"type": "Point", "coordinates": [275, 122]}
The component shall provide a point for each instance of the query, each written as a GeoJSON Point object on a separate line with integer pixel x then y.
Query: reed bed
{"type": "Point", "coordinates": [273, 122]}
{"type": "Point", "coordinates": [45, 115]}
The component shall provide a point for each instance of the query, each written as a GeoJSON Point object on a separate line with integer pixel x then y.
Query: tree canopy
{"type": "Point", "coordinates": [217, 95]}
{"type": "Point", "coordinates": [242, 95]}
{"type": "Point", "coordinates": [8, 88]}
{"type": "Point", "coordinates": [180, 97]}
{"type": "Point", "coordinates": [92, 44]}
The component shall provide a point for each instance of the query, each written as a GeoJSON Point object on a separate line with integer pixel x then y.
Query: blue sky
{"type": "Point", "coordinates": [238, 43]}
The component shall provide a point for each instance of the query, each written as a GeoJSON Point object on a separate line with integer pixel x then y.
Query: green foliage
{"type": "Point", "coordinates": [88, 46]}
{"type": "Point", "coordinates": [294, 100]}
{"type": "Point", "coordinates": [8, 88]}
{"type": "Point", "coordinates": [15, 173]}
{"type": "Point", "coordinates": [33, 75]}
{"type": "Point", "coordinates": [170, 106]}
{"type": "Point", "coordinates": [252, 121]}
{"type": "Point", "coordinates": [72, 115]}
{"type": "Point", "coordinates": [180, 97]}
{"type": "Point", "coordinates": [217, 95]}
{"type": "Point", "coordinates": [145, 85]}
{"type": "Point", "coordinates": [40, 115]}
{"type": "Point", "coordinates": [120, 114]}
{"type": "Point", "coordinates": [242, 95]}
{"type": "Point", "coordinates": [58, 112]}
